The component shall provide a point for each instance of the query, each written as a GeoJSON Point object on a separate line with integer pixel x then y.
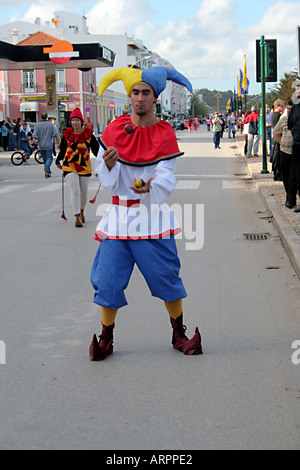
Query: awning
{"type": "Point", "coordinates": [13, 57]}
{"type": "Point", "coordinates": [29, 106]}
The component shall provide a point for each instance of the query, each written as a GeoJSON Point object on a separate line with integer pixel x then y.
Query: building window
{"type": "Point", "coordinates": [61, 85]}
{"type": "Point", "coordinates": [29, 83]}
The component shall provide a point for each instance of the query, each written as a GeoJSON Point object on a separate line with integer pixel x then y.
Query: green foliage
{"type": "Point", "coordinates": [210, 99]}
{"type": "Point", "coordinates": [283, 89]}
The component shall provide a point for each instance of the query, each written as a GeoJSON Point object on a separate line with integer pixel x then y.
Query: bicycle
{"type": "Point", "coordinates": [18, 157]}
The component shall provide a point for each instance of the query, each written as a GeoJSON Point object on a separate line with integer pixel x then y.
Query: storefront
{"type": "Point", "coordinates": [30, 110]}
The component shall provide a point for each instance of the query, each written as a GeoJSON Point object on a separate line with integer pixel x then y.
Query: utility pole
{"type": "Point", "coordinates": [218, 101]}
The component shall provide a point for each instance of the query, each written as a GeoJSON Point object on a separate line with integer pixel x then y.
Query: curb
{"type": "Point", "coordinates": [288, 236]}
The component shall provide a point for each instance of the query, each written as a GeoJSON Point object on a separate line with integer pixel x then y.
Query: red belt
{"type": "Point", "coordinates": [125, 202]}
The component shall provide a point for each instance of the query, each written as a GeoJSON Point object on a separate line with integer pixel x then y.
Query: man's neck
{"type": "Point", "coordinates": [144, 121]}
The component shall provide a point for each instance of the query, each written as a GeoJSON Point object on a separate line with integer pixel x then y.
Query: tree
{"type": "Point", "coordinates": [283, 90]}
{"type": "Point", "coordinates": [197, 107]}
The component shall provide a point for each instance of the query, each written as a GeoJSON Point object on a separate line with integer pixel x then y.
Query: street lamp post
{"type": "Point", "coordinates": [263, 104]}
{"type": "Point", "coordinates": [140, 60]}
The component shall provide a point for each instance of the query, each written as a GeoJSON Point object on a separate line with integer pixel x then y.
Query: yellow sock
{"type": "Point", "coordinates": [174, 308]}
{"type": "Point", "coordinates": [108, 316]}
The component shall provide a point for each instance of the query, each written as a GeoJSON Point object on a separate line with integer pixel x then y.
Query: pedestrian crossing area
{"type": "Point", "coordinates": [183, 183]}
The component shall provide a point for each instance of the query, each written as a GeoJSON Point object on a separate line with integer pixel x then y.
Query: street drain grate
{"type": "Point", "coordinates": [256, 236]}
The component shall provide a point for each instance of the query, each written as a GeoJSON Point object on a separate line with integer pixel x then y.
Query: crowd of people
{"type": "Point", "coordinates": [282, 138]}
{"type": "Point", "coordinates": [9, 133]}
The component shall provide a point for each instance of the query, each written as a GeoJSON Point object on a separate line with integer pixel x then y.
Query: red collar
{"type": "Point", "coordinates": [145, 146]}
{"type": "Point", "coordinates": [81, 138]}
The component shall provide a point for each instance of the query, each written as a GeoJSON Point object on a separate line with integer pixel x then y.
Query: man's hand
{"type": "Point", "coordinates": [142, 189]}
{"type": "Point", "coordinates": [110, 157]}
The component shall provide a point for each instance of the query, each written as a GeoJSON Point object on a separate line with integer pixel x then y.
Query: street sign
{"type": "Point", "coordinates": [87, 109]}
{"type": "Point", "coordinates": [112, 105]}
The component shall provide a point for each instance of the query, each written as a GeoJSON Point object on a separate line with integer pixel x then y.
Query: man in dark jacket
{"type": "Point", "coordinates": [294, 126]}
{"type": "Point", "coordinates": [253, 136]}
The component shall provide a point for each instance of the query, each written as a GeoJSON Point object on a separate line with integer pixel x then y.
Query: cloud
{"type": "Point", "coordinates": [280, 18]}
{"type": "Point", "coordinates": [45, 11]}
{"type": "Point", "coordinates": [212, 44]}
{"type": "Point", "coordinates": [115, 16]}
{"type": "Point", "coordinates": [203, 45]}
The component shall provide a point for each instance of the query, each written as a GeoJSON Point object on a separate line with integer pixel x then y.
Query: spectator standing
{"type": "Point", "coordinates": [217, 123]}
{"type": "Point", "coordinates": [269, 136]}
{"type": "Point", "coordinates": [89, 124]}
{"type": "Point", "coordinates": [253, 137]}
{"type": "Point", "coordinates": [275, 154]}
{"type": "Point", "coordinates": [230, 124]}
{"type": "Point", "coordinates": [294, 126]}
{"type": "Point", "coordinates": [10, 134]}
{"type": "Point", "coordinates": [284, 137]}
{"type": "Point", "coordinates": [278, 111]}
{"type": "Point", "coordinates": [4, 132]}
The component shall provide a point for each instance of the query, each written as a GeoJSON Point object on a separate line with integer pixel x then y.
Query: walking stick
{"type": "Point", "coordinates": [63, 198]}
{"type": "Point", "coordinates": [92, 201]}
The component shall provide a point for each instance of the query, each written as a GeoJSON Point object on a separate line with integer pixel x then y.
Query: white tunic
{"type": "Point", "coordinates": [151, 217]}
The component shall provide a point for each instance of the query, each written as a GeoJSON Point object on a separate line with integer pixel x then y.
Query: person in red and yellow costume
{"type": "Point", "coordinates": [74, 152]}
{"type": "Point", "coordinates": [136, 163]}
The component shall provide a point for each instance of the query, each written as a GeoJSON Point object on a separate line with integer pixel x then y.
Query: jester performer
{"type": "Point", "coordinates": [136, 163]}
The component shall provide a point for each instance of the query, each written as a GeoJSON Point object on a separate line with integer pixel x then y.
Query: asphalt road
{"type": "Point", "coordinates": [242, 393]}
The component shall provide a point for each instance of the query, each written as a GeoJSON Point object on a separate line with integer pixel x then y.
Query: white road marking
{"type": "Point", "coordinates": [11, 188]}
{"type": "Point", "coordinates": [47, 189]}
{"type": "Point", "coordinates": [187, 184]}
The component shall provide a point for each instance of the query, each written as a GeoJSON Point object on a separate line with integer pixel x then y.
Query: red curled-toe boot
{"type": "Point", "coordinates": [181, 342]}
{"type": "Point", "coordinates": [100, 350]}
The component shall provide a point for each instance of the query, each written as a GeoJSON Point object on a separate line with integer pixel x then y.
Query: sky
{"type": "Point", "coordinates": [203, 39]}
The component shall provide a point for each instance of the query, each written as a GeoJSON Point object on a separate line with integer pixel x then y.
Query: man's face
{"type": "Point", "coordinates": [142, 99]}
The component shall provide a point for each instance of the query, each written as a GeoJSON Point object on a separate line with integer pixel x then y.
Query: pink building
{"type": "Point", "coordinates": [26, 89]}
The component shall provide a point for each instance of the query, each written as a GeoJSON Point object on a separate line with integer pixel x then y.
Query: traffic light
{"type": "Point", "coordinates": [270, 60]}
{"type": "Point", "coordinates": [158, 108]}
{"type": "Point", "coordinates": [240, 104]}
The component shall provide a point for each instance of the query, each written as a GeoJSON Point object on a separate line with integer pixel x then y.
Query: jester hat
{"type": "Point", "coordinates": [156, 77]}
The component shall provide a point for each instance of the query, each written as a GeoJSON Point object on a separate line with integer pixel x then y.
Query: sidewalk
{"type": "Point", "coordinates": [272, 192]}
